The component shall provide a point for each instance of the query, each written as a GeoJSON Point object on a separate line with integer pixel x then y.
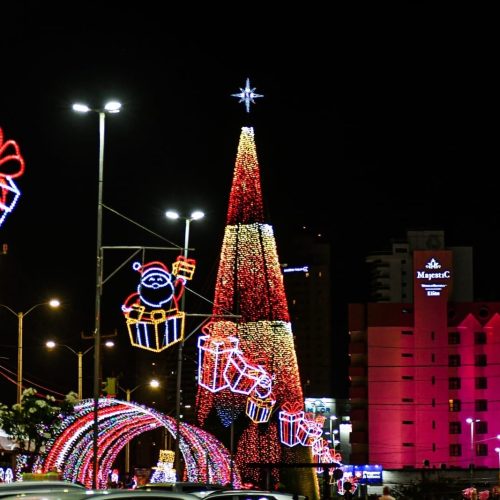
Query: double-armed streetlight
{"type": "Point", "coordinates": [154, 384]}
{"type": "Point", "coordinates": [196, 215]}
{"type": "Point", "coordinates": [20, 317]}
{"type": "Point", "coordinates": [110, 107]}
{"type": "Point", "coordinates": [51, 345]}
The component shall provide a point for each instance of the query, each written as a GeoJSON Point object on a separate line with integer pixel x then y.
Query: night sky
{"type": "Point", "coordinates": [375, 120]}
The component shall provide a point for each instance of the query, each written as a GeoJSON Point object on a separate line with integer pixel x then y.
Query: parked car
{"type": "Point", "coordinates": [38, 487]}
{"type": "Point", "coordinates": [252, 495]}
{"type": "Point", "coordinates": [111, 494]}
{"type": "Point", "coordinates": [198, 489]}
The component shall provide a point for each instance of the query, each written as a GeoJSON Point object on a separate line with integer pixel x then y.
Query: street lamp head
{"type": "Point", "coordinates": [113, 106]}
{"type": "Point", "coordinates": [197, 214]}
{"type": "Point", "coordinates": [50, 344]}
{"type": "Point", "coordinates": [109, 343]}
{"type": "Point", "coordinates": [172, 214]}
{"type": "Point", "coordinates": [54, 303]}
{"type": "Point", "coordinates": [469, 420]}
{"type": "Point", "coordinates": [81, 108]}
{"type": "Point", "coordinates": [154, 383]}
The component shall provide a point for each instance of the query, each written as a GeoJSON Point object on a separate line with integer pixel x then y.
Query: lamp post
{"type": "Point", "coordinates": [196, 215]}
{"type": "Point", "coordinates": [51, 344]}
{"type": "Point", "coordinates": [109, 107]}
{"type": "Point", "coordinates": [498, 451]}
{"type": "Point", "coordinates": [152, 383]}
{"type": "Point", "coordinates": [471, 422]}
{"type": "Point", "coordinates": [20, 317]}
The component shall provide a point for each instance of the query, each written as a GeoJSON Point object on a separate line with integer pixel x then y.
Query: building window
{"type": "Point", "coordinates": [433, 403]}
{"type": "Point", "coordinates": [407, 332]}
{"type": "Point", "coordinates": [481, 383]}
{"type": "Point", "coordinates": [407, 377]}
{"type": "Point", "coordinates": [433, 357]}
{"type": "Point", "coordinates": [433, 335]}
{"type": "Point", "coordinates": [406, 355]}
{"type": "Point", "coordinates": [454, 360]}
{"type": "Point", "coordinates": [481, 450]}
{"type": "Point", "coordinates": [433, 380]}
{"type": "Point", "coordinates": [455, 450]}
{"type": "Point", "coordinates": [481, 427]}
{"type": "Point", "coordinates": [454, 338]}
{"type": "Point", "coordinates": [408, 422]}
{"type": "Point", "coordinates": [479, 338]}
{"type": "Point", "coordinates": [454, 405]}
{"type": "Point", "coordinates": [481, 405]}
{"type": "Point", "coordinates": [408, 445]}
{"type": "Point", "coordinates": [454, 383]}
{"type": "Point", "coordinates": [455, 427]}
{"type": "Point", "coordinates": [407, 400]}
{"type": "Point", "coordinates": [433, 424]}
{"type": "Point", "coordinates": [433, 446]}
{"type": "Point", "coordinates": [480, 360]}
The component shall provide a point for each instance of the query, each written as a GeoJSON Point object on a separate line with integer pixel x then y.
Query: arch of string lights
{"type": "Point", "coordinates": [71, 451]}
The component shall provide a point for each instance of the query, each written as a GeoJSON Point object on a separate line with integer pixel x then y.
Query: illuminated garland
{"type": "Point", "coordinates": [9, 192]}
{"type": "Point", "coordinates": [71, 451]}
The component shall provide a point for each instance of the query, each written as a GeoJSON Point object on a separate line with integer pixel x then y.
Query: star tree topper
{"type": "Point", "coordinates": [247, 95]}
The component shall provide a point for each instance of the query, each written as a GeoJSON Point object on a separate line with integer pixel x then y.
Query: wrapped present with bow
{"type": "Point", "coordinates": [290, 416]}
{"type": "Point", "coordinates": [213, 357]}
{"type": "Point", "coordinates": [11, 166]}
{"type": "Point", "coordinates": [184, 267]}
{"type": "Point", "coordinates": [259, 410]}
{"type": "Point", "coordinates": [309, 431]}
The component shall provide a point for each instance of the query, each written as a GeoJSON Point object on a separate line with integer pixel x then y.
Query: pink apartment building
{"type": "Point", "coordinates": [425, 376]}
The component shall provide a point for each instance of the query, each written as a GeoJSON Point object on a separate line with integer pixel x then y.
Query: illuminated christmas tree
{"type": "Point", "coordinates": [250, 284]}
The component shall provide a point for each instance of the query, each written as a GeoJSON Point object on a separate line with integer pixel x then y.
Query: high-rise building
{"type": "Point", "coordinates": [424, 374]}
{"type": "Point", "coordinates": [308, 289]}
{"type": "Point", "coordinates": [390, 272]}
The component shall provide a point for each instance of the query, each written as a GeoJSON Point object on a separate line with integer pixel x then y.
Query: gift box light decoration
{"type": "Point", "coordinates": [259, 410]}
{"type": "Point", "coordinates": [290, 417]}
{"type": "Point", "coordinates": [250, 284]}
{"type": "Point", "coordinates": [213, 356]}
{"type": "Point", "coordinates": [184, 267]}
{"type": "Point", "coordinates": [154, 321]}
{"type": "Point", "coordinates": [11, 167]}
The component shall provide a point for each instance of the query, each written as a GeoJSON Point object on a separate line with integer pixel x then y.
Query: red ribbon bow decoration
{"type": "Point", "coordinates": [7, 185]}
{"type": "Point", "coordinates": [16, 156]}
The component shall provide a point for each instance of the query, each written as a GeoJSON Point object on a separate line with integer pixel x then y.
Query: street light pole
{"type": "Point", "coordinates": [196, 215]}
{"type": "Point", "coordinates": [498, 451]}
{"type": "Point", "coordinates": [110, 107]}
{"type": "Point", "coordinates": [20, 317]}
{"type": "Point", "coordinates": [471, 422]}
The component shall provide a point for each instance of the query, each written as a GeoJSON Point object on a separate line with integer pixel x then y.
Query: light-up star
{"type": "Point", "coordinates": [247, 95]}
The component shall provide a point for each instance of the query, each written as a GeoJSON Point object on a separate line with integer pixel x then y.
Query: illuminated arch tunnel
{"type": "Point", "coordinates": [71, 451]}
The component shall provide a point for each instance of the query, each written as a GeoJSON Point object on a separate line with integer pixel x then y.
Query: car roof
{"type": "Point", "coordinates": [32, 487]}
{"type": "Point", "coordinates": [115, 494]}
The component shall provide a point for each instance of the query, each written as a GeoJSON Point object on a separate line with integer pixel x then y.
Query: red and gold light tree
{"type": "Point", "coordinates": [250, 284]}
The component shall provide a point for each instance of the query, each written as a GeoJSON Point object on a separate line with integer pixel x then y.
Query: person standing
{"type": "Point", "coordinates": [386, 494]}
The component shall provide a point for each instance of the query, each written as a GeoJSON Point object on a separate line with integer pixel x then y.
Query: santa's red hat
{"type": "Point", "coordinates": [150, 267]}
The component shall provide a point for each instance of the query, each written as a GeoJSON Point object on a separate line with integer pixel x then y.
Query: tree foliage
{"type": "Point", "coordinates": [35, 420]}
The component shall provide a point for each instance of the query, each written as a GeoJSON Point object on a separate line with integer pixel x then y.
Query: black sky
{"type": "Point", "coordinates": [375, 120]}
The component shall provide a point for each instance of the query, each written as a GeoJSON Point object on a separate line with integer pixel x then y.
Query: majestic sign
{"type": "Point", "coordinates": [434, 278]}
